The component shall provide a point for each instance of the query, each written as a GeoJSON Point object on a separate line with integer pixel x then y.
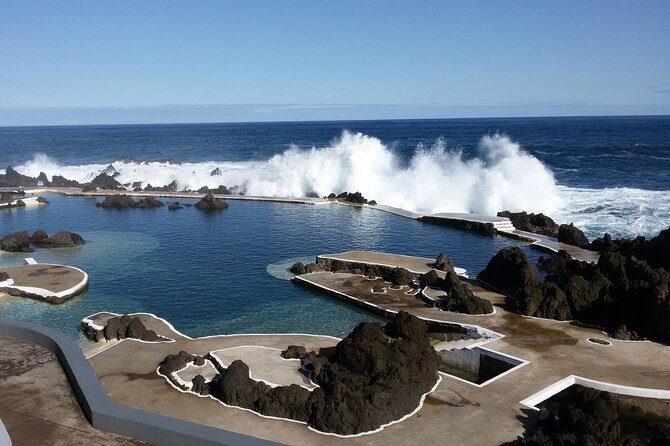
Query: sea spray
{"type": "Point", "coordinates": [436, 179]}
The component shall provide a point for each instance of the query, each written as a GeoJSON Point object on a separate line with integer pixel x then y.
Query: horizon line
{"type": "Point", "coordinates": [289, 121]}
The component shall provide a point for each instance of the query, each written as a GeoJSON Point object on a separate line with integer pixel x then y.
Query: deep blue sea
{"type": "Point", "coordinates": [208, 273]}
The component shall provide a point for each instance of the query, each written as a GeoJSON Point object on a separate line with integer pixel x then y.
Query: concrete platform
{"type": "Point", "coordinates": [37, 405]}
{"type": "Point", "coordinates": [455, 410]}
{"type": "Point", "coordinates": [43, 281]}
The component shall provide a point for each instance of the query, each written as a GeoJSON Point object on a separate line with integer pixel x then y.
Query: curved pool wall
{"type": "Point", "coordinates": [207, 272]}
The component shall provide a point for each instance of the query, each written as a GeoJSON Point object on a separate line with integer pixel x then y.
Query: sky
{"type": "Point", "coordinates": [105, 62]}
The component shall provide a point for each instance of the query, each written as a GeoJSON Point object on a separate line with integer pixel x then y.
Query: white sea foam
{"type": "Point", "coordinates": [436, 179]}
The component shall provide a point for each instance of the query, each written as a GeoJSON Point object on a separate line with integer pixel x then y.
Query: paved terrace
{"type": "Point", "coordinates": [54, 283]}
{"type": "Point", "coordinates": [502, 225]}
{"type": "Point", "coordinates": [37, 405]}
{"type": "Point", "coordinates": [455, 410]}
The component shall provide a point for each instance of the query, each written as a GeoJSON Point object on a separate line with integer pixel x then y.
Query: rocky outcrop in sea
{"type": "Point", "coordinates": [210, 203]}
{"type": "Point", "coordinates": [123, 201]}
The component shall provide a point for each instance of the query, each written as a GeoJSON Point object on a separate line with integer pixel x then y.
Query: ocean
{"type": "Point", "coordinates": [225, 272]}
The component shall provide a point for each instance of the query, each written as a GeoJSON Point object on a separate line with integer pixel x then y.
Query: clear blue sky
{"type": "Point", "coordinates": [161, 61]}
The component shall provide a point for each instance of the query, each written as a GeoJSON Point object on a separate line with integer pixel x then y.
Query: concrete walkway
{"type": "Point", "coordinates": [37, 405]}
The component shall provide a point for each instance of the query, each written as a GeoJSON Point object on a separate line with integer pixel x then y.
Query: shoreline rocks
{"type": "Point", "coordinates": [121, 327]}
{"type": "Point", "coordinates": [584, 416]}
{"type": "Point", "coordinates": [348, 197]}
{"type": "Point", "coordinates": [16, 242]}
{"type": "Point", "coordinates": [210, 203]}
{"type": "Point", "coordinates": [626, 296]}
{"type": "Point", "coordinates": [123, 201]}
{"type": "Point", "coordinates": [535, 223]}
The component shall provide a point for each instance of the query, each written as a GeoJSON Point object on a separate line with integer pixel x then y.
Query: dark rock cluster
{"type": "Point", "coordinates": [571, 235]}
{"type": "Point", "coordinates": [300, 268]}
{"type": "Point", "coordinates": [11, 178]}
{"type": "Point", "coordinates": [210, 203]}
{"type": "Point", "coordinates": [459, 298]}
{"type": "Point", "coordinates": [107, 182]}
{"type": "Point", "coordinates": [584, 416]}
{"type": "Point", "coordinates": [121, 327]}
{"type": "Point", "coordinates": [374, 376]}
{"type": "Point", "coordinates": [624, 295]}
{"type": "Point", "coordinates": [16, 242]}
{"type": "Point", "coordinates": [172, 187]}
{"type": "Point", "coordinates": [356, 197]}
{"type": "Point", "coordinates": [123, 201]}
{"type": "Point", "coordinates": [63, 239]}
{"type": "Point", "coordinates": [20, 241]}
{"type": "Point", "coordinates": [535, 223]}
{"type": "Point", "coordinates": [656, 251]}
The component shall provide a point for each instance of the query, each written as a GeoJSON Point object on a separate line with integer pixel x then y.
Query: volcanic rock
{"type": "Point", "coordinates": [59, 181]}
{"type": "Point", "coordinates": [444, 263]}
{"type": "Point", "coordinates": [210, 203]}
{"type": "Point", "coordinates": [172, 187]}
{"type": "Point", "coordinates": [62, 239]}
{"type": "Point", "coordinates": [374, 376]}
{"type": "Point", "coordinates": [294, 352]}
{"type": "Point", "coordinates": [584, 416]}
{"type": "Point", "coordinates": [16, 242]}
{"type": "Point", "coordinates": [621, 294]}
{"type": "Point", "coordinates": [42, 200]}
{"type": "Point", "coordinates": [536, 223]}
{"type": "Point", "coordinates": [555, 263]}
{"type": "Point", "coordinates": [199, 385]}
{"type": "Point", "coordinates": [12, 178]}
{"type": "Point", "coordinates": [215, 172]}
{"type": "Point", "coordinates": [149, 202]}
{"type": "Point", "coordinates": [174, 206]}
{"type": "Point", "coordinates": [89, 187]}
{"type": "Point", "coordinates": [298, 268]}
{"type": "Point", "coordinates": [6, 198]}
{"type": "Point", "coordinates": [119, 201]}
{"type": "Point", "coordinates": [400, 276]}
{"type": "Point", "coordinates": [104, 181]}
{"type": "Point", "coordinates": [3, 276]}
{"type": "Point", "coordinates": [654, 251]}
{"type": "Point", "coordinates": [570, 235]}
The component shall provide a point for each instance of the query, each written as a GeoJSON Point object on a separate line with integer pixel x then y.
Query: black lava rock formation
{"type": "Point", "coordinates": [121, 327]}
{"type": "Point", "coordinates": [626, 296]}
{"type": "Point", "coordinates": [16, 242]}
{"type": "Point", "coordinates": [104, 181]}
{"type": "Point", "coordinates": [655, 251]}
{"type": "Point", "coordinates": [123, 201]}
{"type": "Point", "coordinates": [571, 235]}
{"type": "Point", "coordinates": [356, 197]}
{"type": "Point", "coordinates": [535, 223]}
{"type": "Point", "coordinates": [62, 239]}
{"type": "Point", "coordinates": [210, 203]}
{"type": "Point", "coordinates": [374, 376]}
{"type": "Point", "coordinates": [459, 298]}
{"type": "Point", "coordinates": [584, 416]}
